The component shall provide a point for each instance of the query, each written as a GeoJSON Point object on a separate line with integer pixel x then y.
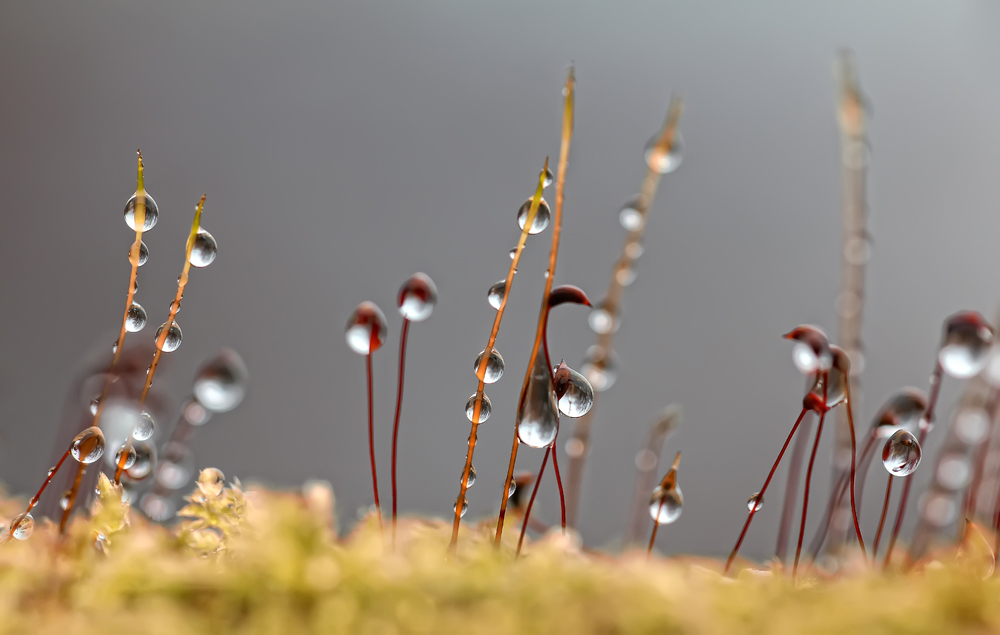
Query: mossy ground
{"type": "Point", "coordinates": [275, 565]}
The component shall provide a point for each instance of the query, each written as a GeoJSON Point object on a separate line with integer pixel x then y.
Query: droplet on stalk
{"type": "Point", "coordinates": [966, 344]}
{"type": "Point", "coordinates": [152, 213]}
{"type": "Point", "coordinates": [664, 160]}
{"type": "Point", "coordinates": [665, 506]}
{"type": "Point", "coordinates": [836, 389]}
{"type": "Point", "coordinates": [88, 446]}
{"type": "Point", "coordinates": [484, 410]}
{"type": "Point", "coordinates": [901, 453]}
{"type": "Point", "coordinates": [542, 216]}
{"type": "Point", "coordinates": [417, 297]}
{"type": "Point", "coordinates": [465, 507]}
{"type": "Point", "coordinates": [811, 353]}
{"type": "Point", "coordinates": [537, 421]}
{"type": "Point", "coordinates": [472, 477]}
{"type": "Point", "coordinates": [574, 392]}
{"type": "Point", "coordinates": [494, 366]}
{"type": "Point", "coordinates": [903, 411]}
{"type": "Point", "coordinates": [145, 460]}
{"type": "Point", "coordinates": [211, 482]}
{"type": "Point", "coordinates": [366, 329]}
{"type": "Point", "coordinates": [144, 427]}
{"type": "Point", "coordinates": [220, 385]}
{"type": "Point", "coordinates": [495, 293]}
{"type": "Point", "coordinates": [129, 459]}
{"type": "Point", "coordinates": [143, 253]}
{"type": "Point", "coordinates": [205, 249]}
{"type": "Point", "coordinates": [136, 318]}
{"type": "Point", "coordinates": [22, 526]}
{"type": "Point", "coordinates": [173, 339]}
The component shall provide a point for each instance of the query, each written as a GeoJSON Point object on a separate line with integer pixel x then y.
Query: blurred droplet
{"type": "Point", "coordinates": [366, 329]}
{"type": "Point", "coordinates": [904, 410]}
{"type": "Point", "coordinates": [630, 217]}
{"type": "Point", "coordinates": [953, 471]}
{"type": "Point", "coordinates": [211, 482]}
{"type": "Point", "coordinates": [176, 466]}
{"type": "Point", "coordinates": [205, 249]}
{"type": "Point", "coordinates": [64, 500]}
{"type": "Point", "coordinates": [602, 321]}
{"type": "Point", "coordinates": [195, 413]}
{"type": "Point", "coordinates": [144, 428]}
{"type": "Point", "coordinates": [417, 297]}
{"type": "Point", "coordinates": [971, 425]}
{"type": "Point", "coordinates": [145, 461]}
{"type": "Point", "coordinates": [811, 352]}
{"type": "Point", "coordinates": [664, 160]}
{"type": "Point", "coordinates": [157, 508]}
{"type": "Point", "coordinates": [600, 367]}
{"type": "Point", "coordinates": [966, 344]}
{"type": "Point", "coordinates": [541, 216]}
{"type": "Point", "coordinates": [220, 385]}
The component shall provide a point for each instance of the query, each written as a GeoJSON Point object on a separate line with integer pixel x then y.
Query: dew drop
{"type": "Point", "coordinates": [903, 411]}
{"type": "Point", "coordinates": [601, 321]}
{"type": "Point", "coordinates": [64, 499]}
{"type": "Point", "coordinates": [484, 410]}
{"type": "Point", "coordinates": [513, 252]}
{"type": "Point", "coordinates": [145, 460]}
{"type": "Point", "coordinates": [152, 213]}
{"type": "Point", "coordinates": [541, 216]}
{"type": "Point", "coordinates": [953, 471]}
{"type": "Point", "coordinates": [574, 392]}
{"type": "Point", "coordinates": [971, 425]}
{"type": "Point", "coordinates": [211, 482]}
{"type": "Point", "coordinates": [625, 276]}
{"type": "Point", "coordinates": [136, 318]}
{"type": "Point", "coordinates": [966, 345]}
{"type": "Point", "coordinates": [755, 502]}
{"type": "Point", "coordinates": [901, 453]}
{"type": "Point", "coordinates": [836, 390]}
{"type": "Point", "coordinates": [220, 384]}
{"type": "Point", "coordinates": [114, 349]}
{"type": "Point", "coordinates": [366, 329]}
{"type": "Point", "coordinates": [630, 217]}
{"type": "Point", "coordinates": [494, 366]}
{"type": "Point", "coordinates": [634, 249]}
{"type": "Point", "coordinates": [664, 162]}
{"type": "Point", "coordinates": [157, 508]}
{"type": "Point", "coordinates": [143, 253]}
{"type": "Point", "coordinates": [195, 413]}
{"type": "Point", "coordinates": [811, 352]}
{"type": "Point", "coordinates": [129, 459]}
{"type": "Point", "coordinates": [465, 507]}
{"type": "Point", "coordinates": [176, 466]}
{"type": "Point", "coordinates": [22, 526]}
{"type": "Point", "coordinates": [512, 487]}
{"type": "Point", "coordinates": [88, 446]}
{"type": "Point", "coordinates": [205, 249]}
{"type": "Point", "coordinates": [173, 339]}
{"type": "Point", "coordinates": [94, 404]}
{"type": "Point", "coordinates": [144, 427]}
{"type": "Point", "coordinates": [549, 178]}
{"type": "Point", "coordinates": [600, 368]}
{"type": "Point", "coordinates": [665, 506]}
{"type": "Point", "coordinates": [537, 420]}
{"type": "Point", "coordinates": [472, 476]}
{"type": "Point", "coordinates": [495, 293]}
{"type": "Point", "coordinates": [417, 297]}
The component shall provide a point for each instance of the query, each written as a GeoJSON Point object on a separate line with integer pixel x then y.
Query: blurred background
{"type": "Point", "coordinates": [344, 146]}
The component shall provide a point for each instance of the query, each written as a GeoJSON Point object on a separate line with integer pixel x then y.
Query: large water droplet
{"type": "Point", "coordinates": [221, 382]}
{"type": "Point", "coordinates": [755, 502]}
{"type": "Point", "coordinates": [630, 217]}
{"type": "Point", "coordinates": [205, 249]}
{"type": "Point", "coordinates": [811, 352]}
{"type": "Point", "coordinates": [901, 453]}
{"type": "Point", "coordinates": [366, 329]}
{"type": "Point", "coordinates": [484, 410]}
{"type": "Point", "coordinates": [143, 253]}
{"type": "Point", "coordinates": [836, 390]}
{"type": "Point", "coordinates": [417, 297]}
{"type": "Point", "coordinates": [541, 216]}
{"type": "Point", "coordinates": [144, 427]}
{"type": "Point", "coordinates": [600, 367]}
{"type": "Point", "coordinates": [494, 366]}
{"type": "Point", "coordinates": [664, 162]}
{"type": "Point", "coordinates": [145, 460]}
{"type": "Point", "coordinates": [574, 392]}
{"type": "Point", "coordinates": [22, 526]}
{"type": "Point", "coordinates": [88, 446]}
{"type": "Point", "coordinates": [665, 506]}
{"type": "Point", "coordinates": [904, 410]}
{"type": "Point", "coordinates": [136, 318]}
{"type": "Point", "coordinates": [152, 213]}
{"type": "Point", "coordinates": [176, 466]}
{"type": "Point", "coordinates": [537, 420]}
{"type": "Point", "coordinates": [472, 476]}
{"type": "Point", "coordinates": [966, 344]}
{"type": "Point", "coordinates": [173, 339]}
{"type": "Point", "coordinates": [129, 458]}
{"type": "Point", "coordinates": [465, 507]}
{"type": "Point", "coordinates": [495, 293]}
{"type": "Point", "coordinates": [211, 482]}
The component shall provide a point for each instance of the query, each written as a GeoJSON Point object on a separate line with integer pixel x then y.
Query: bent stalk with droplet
{"type": "Point", "coordinates": [663, 155]}
{"type": "Point", "coordinates": [415, 301]}
{"type": "Point", "coordinates": [646, 462]}
{"type": "Point", "coordinates": [666, 503]}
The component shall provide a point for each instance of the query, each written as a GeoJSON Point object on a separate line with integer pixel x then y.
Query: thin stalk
{"type": "Point", "coordinates": [559, 485]}
{"type": "Point", "coordinates": [48, 479]}
{"type": "Point", "coordinates": [881, 520]}
{"type": "Point", "coordinates": [543, 314]}
{"type": "Point", "coordinates": [854, 450]}
{"type": "Point", "coordinates": [791, 492]}
{"type": "Point", "coordinates": [809, 471]}
{"type": "Point", "coordinates": [371, 438]}
{"type": "Point", "coordinates": [837, 495]}
{"type": "Point", "coordinates": [656, 525]}
{"type": "Point", "coordinates": [395, 425]}
{"type": "Point", "coordinates": [612, 304]}
{"type": "Point", "coordinates": [531, 501]}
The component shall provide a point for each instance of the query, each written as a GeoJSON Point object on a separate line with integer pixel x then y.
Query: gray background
{"type": "Point", "coordinates": [345, 145]}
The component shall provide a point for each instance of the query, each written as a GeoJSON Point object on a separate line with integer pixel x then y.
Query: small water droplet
{"type": "Point", "coordinates": [88, 446]}
{"type": "Point", "coordinates": [953, 471]}
{"type": "Point", "coordinates": [541, 216]}
{"type": "Point", "coordinates": [465, 507]}
{"type": "Point", "coordinates": [494, 366]}
{"type": "Point", "coordinates": [64, 499]}
{"type": "Point", "coordinates": [152, 213]}
{"type": "Point", "coordinates": [205, 249]}
{"type": "Point", "coordinates": [664, 162]}
{"type": "Point", "coordinates": [176, 309]}
{"type": "Point", "coordinates": [114, 349]}
{"type": "Point", "coordinates": [417, 297]}
{"type": "Point", "coordinates": [625, 276]}
{"type": "Point", "coordinates": [904, 410]}
{"type": "Point", "coordinates": [94, 404]}
{"type": "Point", "coordinates": [836, 390]}
{"type": "Point", "coordinates": [366, 329]}
{"type": "Point", "coordinates": [630, 217]}
{"type": "Point", "coordinates": [195, 413]}
{"type": "Point", "coordinates": [901, 453]}
{"type": "Point", "coordinates": [220, 384]}
{"type": "Point", "coordinates": [156, 507]}
{"type": "Point", "coordinates": [574, 392]}
{"type": "Point", "coordinates": [129, 459]}
{"type": "Point", "coordinates": [472, 476]}
{"type": "Point", "coordinates": [22, 526]}
{"type": "Point", "coordinates": [549, 178]}
{"type": "Point", "coordinates": [144, 427]}
{"type": "Point", "coordinates": [495, 293]}
{"type": "Point", "coordinates": [755, 502]}
{"type": "Point", "coordinates": [966, 344]}
{"type": "Point", "coordinates": [145, 459]}
{"type": "Point", "coordinates": [537, 421]}
{"type": "Point", "coordinates": [665, 506]}
{"type": "Point", "coordinates": [173, 339]}
{"type": "Point", "coordinates": [136, 318]}
{"type": "Point", "coordinates": [601, 321]}
{"type": "Point", "coordinates": [211, 482]}
{"type": "Point", "coordinates": [513, 252]}
{"type": "Point", "coordinates": [512, 487]}
{"type": "Point", "coordinates": [52, 470]}
{"type": "Point", "coordinates": [811, 352]}
{"type": "Point", "coordinates": [600, 368]}
{"type": "Point", "coordinates": [484, 411]}
{"type": "Point", "coordinates": [143, 253]}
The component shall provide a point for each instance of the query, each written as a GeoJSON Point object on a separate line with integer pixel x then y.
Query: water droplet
{"type": "Point", "coordinates": [901, 453]}
{"type": "Point", "coordinates": [634, 249]}
{"type": "Point", "coordinates": [836, 391]}
{"type": "Point", "coordinates": [64, 499]}
{"type": "Point", "coordinates": [953, 471]}
{"type": "Point", "coordinates": [600, 368]}
{"type": "Point", "coordinates": [665, 506]}
{"type": "Point", "coordinates": [417, 297]}
{"type": "Point", "coordinates": [664, 162]}
{"type": "Point", "coordinates": [513, 252]}
{"type": "Point", "coordinates": [144, 427]}
{"type": "Point", "coordinates": [129, 459]}
{"type": "Point", "coordinates": [145, 459]}
{"type": "Point", "coordinates": [173, 339]}
{"type": "Point", "coordinates": [465, 507]}
{"type": "Point", "coordinates": [22, 526]}
{"type": "Point", "coordinates": [495, 293]}
{"type": "Point", "coordinates": [94, 404]}
{"type": "Point", "coordinates": [211, 482]}
{"type": "Point", "coordinates": [574, 392]}
{"type": "Point", "coordinates": [575, 448]}
{"type": "Point", "coordinates": [176, 309]}
{"type": "Point", "coordinates": [152, 213]}
{"type": "Point", "coordinates": [472, 476]}
{"type": "Point", "coordinates": [156, 507]}
{"type": "Point", "coordinates": [176, 466]}
{"type": "Point", "coordinates": [966, 344]}
{"type": "Point", "coordinates": [114, 349]}
{"type": "Point", "coordinates": [755, 502]}
{"type": "Point", "coordinates": [601, 321]}
{"type": "Point", "coordinates": [512, 487]}
{"type": "Point", "coordinates": [220, 385]}
{"type": "Point", "coordinates": [904, 410]}
{"type": "Point", "coordinates": [143, 253]}
{"type": "Point", "coordinates": [625, 275]}
{"type": "Point", "coordinates": [549, 178]}
{"type": "Point", "coordinates": [205, 249]}
{"type": "Point", "coordinates": [195, 413]}
{"type": "Point", "coordinates": [630, 217]}
{"type": "Point", "coordinates": [537, 420]}
{"type": "Point", "coordinates": [646, 460]}
{"type": "Point", "coordinates": [938, 508]}
{"type": "Point", "coordinates": [88, 446]}
{"type": "Point", "coordinates": [811, 352]}
{"type": "Point", "coordinates": [136, 318]}
{"type": "Point", "coordinates": [971, 425]}
{"type": "Point", "coordinates": [366, 329]}
{"type": "Point", "coordinates": [494, 366]}
{"type": "Point", "coordinates": [541, 216]}
{"type": "Point", "coordinates": [484, 410]}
